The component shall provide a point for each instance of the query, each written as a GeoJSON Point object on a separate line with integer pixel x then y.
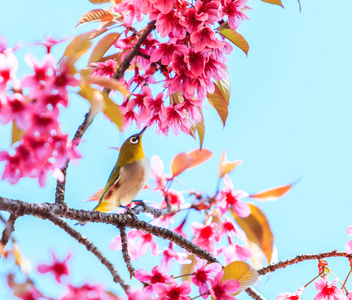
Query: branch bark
{"type": "Point", "coordinates": [6, 234]}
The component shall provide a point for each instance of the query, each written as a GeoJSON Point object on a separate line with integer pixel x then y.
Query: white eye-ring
{"type": "Point", "coordinates": [134, 140]}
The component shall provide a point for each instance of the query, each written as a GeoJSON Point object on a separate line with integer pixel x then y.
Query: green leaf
{"type": "Point", "coordinates": [103, 46]}
{"type": "Point", "coordinates": [235, 38]}
{"type": "Point", "coordinates": [112, 111]}
{"type": "Point", "coordinates": [276, 2]}
{"type": "Point", "coordinates": [242, 272]}
{"type": "Point", "coordinates": [220, 98]}
{"type": "Point", "coordinates": [16, 133]}
{"type": "Point", "coordinates": [257, 229]}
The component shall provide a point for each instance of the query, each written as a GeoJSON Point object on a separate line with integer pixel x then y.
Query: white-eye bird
{"type": "Point", "coordinates": [128, 176]}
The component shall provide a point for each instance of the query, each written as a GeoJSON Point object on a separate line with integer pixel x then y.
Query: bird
{"type": "Point", "coordinates": [128, 176]}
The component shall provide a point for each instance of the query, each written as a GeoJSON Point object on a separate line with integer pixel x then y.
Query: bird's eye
{"type": "Point", "coordinates": [134, 140]}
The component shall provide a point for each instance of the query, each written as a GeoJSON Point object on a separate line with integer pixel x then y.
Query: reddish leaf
{"type": "Point", "coordinates": [95, 197]}
{"type": "Point", "coordinates": [103, 46]}
{"type": "Point", "coordinates": [95, 15]}
{"type": "Point", "coordinates": [273, 193]}
{"type": "Point", "coordinates": [257, 230]}
{"type": "Point", "coordinates": [199, 156]}
{"type": "Point", "coordinates": [16, 133]}
{"type": "Point", "coordinates": [180, 163]}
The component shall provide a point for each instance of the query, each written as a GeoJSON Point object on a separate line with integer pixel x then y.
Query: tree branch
{"type": "Point", "coordinates": [89, 245]}
{"type": "Point", "coordinates": [254, 294]}
{"type": "Point", "coordinates": [300, 258]}
{"type": "Point", "coordinates": [118, 220]}
{"type": "Point", "coordinates": [10, 227]}
{"type": "Point", "coordinates": [125, 254]}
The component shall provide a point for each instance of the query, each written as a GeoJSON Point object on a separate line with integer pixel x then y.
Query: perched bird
{"type": "Point", "coordinates": [128, 176]}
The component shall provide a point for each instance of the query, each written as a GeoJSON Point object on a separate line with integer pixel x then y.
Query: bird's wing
{"type": "Point", "coordinates": [114, 178]}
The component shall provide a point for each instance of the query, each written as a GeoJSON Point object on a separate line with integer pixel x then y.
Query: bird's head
{"type": "Point", "coordinates": [132, 150]}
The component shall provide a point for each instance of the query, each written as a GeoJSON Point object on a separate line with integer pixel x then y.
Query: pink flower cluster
{"type": "Point", "coordinates": [32, 104]}
{"type": "Point", "coordinates": [207, 277]}
{"type": "Point", "coordinates": [189, 54]}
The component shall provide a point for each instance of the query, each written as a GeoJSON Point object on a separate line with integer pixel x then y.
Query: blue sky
{"type": "Point", "coordinates": [289, 118]}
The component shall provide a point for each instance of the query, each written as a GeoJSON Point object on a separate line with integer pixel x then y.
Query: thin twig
{"type": "Point", "coordinates": [125, 254]}
{"type": "Point", "coordinates": [89, 245]}
{"type": "Point", "coordinates": [254, 294]}
{"type": "Point", "coordinates": [6, 234]}
{"type": "Point", "coordinates": [300, 258]}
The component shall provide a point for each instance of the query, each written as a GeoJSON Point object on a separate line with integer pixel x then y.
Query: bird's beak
{"type": "Point", "coordinates": [141, 133]}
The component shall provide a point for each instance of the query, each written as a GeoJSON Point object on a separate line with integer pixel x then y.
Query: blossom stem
{"type": "Point", "coordinates": [206, 293]}
{"type": "Point", "coordinates": [348, 275]}
{"type": "Point", "coordinates": [343, 286]}
{"type": "Point", "coordinates": [313, 279]}
{"type": "Point", "coordinates": [179, 276]}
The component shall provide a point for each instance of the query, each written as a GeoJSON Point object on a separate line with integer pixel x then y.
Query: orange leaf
{"type": "Point", "coordinates": [95, 15]}
{"type": "Point", "coordinates": [199, 157]}
{"type": "Point", "coordinates": [242, 272]}
{"type": "Point", "coordinates": [99, 1]}
{"type": "Point", "coordinates": [110, 83]}
{"type": "Point", "coordinates": [16, 133]}
{"type": "Point", "coordinates": [257, 230]}
{"type": "Point", "coordinates": [227, 166]}
{"type": "Point", "coordinates": [77, 47]}
{"type": "Point", "coordinates": [276, 2]}
{"type": "Point", "coordinates": [236, 38]}
{"type": "Point", "coordinates": [103, 45]}
{"type": "Point", "coordinates": [273, 193]}
{"type": "Point", "coordinates": [180, 163]}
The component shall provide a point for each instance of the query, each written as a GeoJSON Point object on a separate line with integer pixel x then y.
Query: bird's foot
{"type": "Point", "coordinates": [141, 202]}
{"type": "Point", "coordinates": [129, 211]}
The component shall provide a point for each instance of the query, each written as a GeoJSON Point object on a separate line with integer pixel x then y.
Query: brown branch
{"type": "Point", "coordinates": [125, 254]}
{"type": "Point", "coordinates": [254, 294]}
{"type": "Point", "coordinates": [6, 234]}
{"type": "Point", "coordinates": [89, 245]}
{"type": "Point", "coordinates": [300, 258]}
{"type": "Point", "coordinates": [117, 220]}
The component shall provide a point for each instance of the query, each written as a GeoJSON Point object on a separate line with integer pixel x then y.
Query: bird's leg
{"type": "Point", "coordinates": [141, 202]}
{"type": "Point", "coordinates": [129, 211]}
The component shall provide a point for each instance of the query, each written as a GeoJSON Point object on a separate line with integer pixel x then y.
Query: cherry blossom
{"type": "Point", "coordinates": [152, 278]}
{"type": "Point", "coordinates": [222, 290]}
{"type": "Point", "coordinates": [172, 291]}
{"type": "Point", "coordinates": [206, 236]}
{"type": "Point", "coordinates": [327, 290]}
{"type": "Point", "coordinates": [288, 296]}
{"type": "Point", "coordinates": [204, 275]}
{"type": "Point", "coordinates": [58, 268]}
{"type": "Point", "coordinates": [170, 255]}
{"type": "Point", "coordinates": [107, 68]}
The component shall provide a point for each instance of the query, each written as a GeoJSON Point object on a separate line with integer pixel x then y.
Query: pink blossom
{"type": "Point", "coordinates": [213, 68]}
{"type": "Point", "coordinates": [179, 228]}
{"type": "Point", "coordinates": [152, 278]}
{"type": "Point", "coordinates": [139, 295]}
{"type": "Point", "coordinates": [107, 68]}
{"type": "Point", "coordinates": [164, 6]}
{"type": "Point", "coordinates": [172, 291]}
{"type": "Point", "coordinates": [176, 119]}
{"type": "Point", "coordinates": [227, 226]}
{"type": "Point", "coordinates": [58, 268]}
{"type": "Point", "coordinates": [8, 69]}
{"type": "Point", "coordinates": [327, 290]}
{"type": "Point", "coordinates": [169, 255]}
{"type": "Point", "coordinates": [192, 109]}
{"type": "Point", "coordinates": [222, 290]}
{"type": "Point", "coordinates": [207, 12]}
{"type": "Point", "coordinates": [204, 275]}
{"type": "Point", "coordinates": [129, 12]}
{"type": "Point", "coordinates": [235, 11]}
{"type": "Point", "coordinates": [50, 42]}
{"type": "Point", "coordinates": [205, 236]}
{"type": "Point", "coordinates": [233, 252]}
{"type": "Point", "coordinates": [288, 296]}
{"type": "Point", "coordinates": [87, 292]}
{"type": "Point", "coordinates": [230, 198]}
{"type": "Point", "coordinates": [157, 172]}
{"type": "Point", "coordinates": [348, 247]}
{"type": "Point", "coordinates": [166, 24]}
{"type": "Point", "coordinates": [175, 198]}
{"type": "Point", "coordinates": [165, 51]}
{"type": "Point", "coordinates": [190, 22]}
{"type": "Point", "coordinates": [127, 109]}
{"type": "Point", "coordinates": [195, 62]}
{"type": "Point", "coordinates": [205, 37]}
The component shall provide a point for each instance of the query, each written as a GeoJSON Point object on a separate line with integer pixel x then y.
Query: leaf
{"type": "Point", "coordinates": [273, 193]}
{"type": "Point", "coordinates": [188, 268]}
{"type": "Point", "coordinates": [199, 156]}
{"type": "Point", "coordinates": [176, 97]}
{"type": "Point", "coordinates": [200, 129]}
{"type": "Point", "coordinates": [242, 272]}
{"type": "Point", "coordinates": [112, 111]}
{"type": "Point", "coordinates": [16, 133]}
{"type": "Point", "coordinates": [78, 46]}
{"type": "Point", "coordinates": [257, 229]}
{"type": "Point", "coordinates": [103, 46]}
{"type": "Point", "coordinates": [110, 83]}
{"type": "Point", "coordinates": [235, 38]}
{"type": "Point", "coordinates": [276, 2]}
{"type": "Point", "coordinates": [96, 32]}
{"type": "Point", "coordinates": [227, 166]}
{"type": "Point", "coordinates": [180, 163]}
{"type": "Point", "coordinates": [95, 197]}
{"type": "Point", "coordinates": [95, 15]}
{"type": "Point", "coordinates": [99, 1]}
{"type": "Point", "coordinates": [220, 98]}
